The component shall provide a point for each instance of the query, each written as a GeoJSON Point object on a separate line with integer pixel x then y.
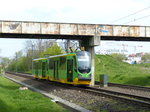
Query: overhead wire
{"type": "Point", "coordinates": [137, 19]}
{"type": "Point", "coordinates": [130, 14]}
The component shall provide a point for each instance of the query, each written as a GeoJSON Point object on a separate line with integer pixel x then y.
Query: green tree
{"type": "Point", "coordinates": [22, 63]}
{"type": "Point", "coordinates": [18, 63]}
{"type": "Point", "coordinates": [12, 65]}
{"type": "Point", "coordinates": [4, 63]}
{"type": "Point", "coordinates": [54, 50]}
{"type": "Point", "coordinates": [146, 58]}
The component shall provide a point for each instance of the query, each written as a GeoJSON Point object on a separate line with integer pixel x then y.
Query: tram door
{"type": "Point", "coordinates": [56, 70]}
{"type": "Point", "coordinates": [43, 69]}
{"type": "Point", "coordinates": [36, 69]}
{"type": "Point", "coordinates": [70, 70]}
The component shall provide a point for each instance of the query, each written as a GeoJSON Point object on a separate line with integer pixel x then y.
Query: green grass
{"type": "Point", "coordinates": [14, 100]}
{"type": "Point", "coordinates": [121, 72]}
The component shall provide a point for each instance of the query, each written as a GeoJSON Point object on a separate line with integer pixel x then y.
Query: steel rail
{"type": "Point", "coordinates": [122, 94]}
{"type": "Point", "coordinates": [140, 100]}
{"type": "Point", "coordinates": [130, 86]}
{"type": "Point", "coordinates": [126, 86]}
{"type": "Point", "coordinates": [21, 74]}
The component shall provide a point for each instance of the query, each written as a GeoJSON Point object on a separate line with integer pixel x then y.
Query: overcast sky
{"type": "Point", "coordinates": [71, 11]}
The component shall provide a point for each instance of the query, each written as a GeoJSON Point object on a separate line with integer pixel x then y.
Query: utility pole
{"type": "Point", "coordinates": [32, 54]}
{"type": "Point", "coordinates": [67, 45]}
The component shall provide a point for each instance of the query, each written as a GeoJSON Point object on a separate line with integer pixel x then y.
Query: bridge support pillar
{"type": "Point", "coordinates": [89, 44]}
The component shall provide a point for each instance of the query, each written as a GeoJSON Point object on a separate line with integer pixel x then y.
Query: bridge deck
{"type": "Point", "coordinates": [45, 28]}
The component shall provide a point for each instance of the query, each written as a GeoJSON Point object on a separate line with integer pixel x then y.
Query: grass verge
{"type": "Point", "coordinates": [121, 72]}
{"type": "Point", "coordinates": [14, 100]}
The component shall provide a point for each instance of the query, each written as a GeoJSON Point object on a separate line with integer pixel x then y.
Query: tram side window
{"type": "Point", "coordinates": [34, 65]}
{"type": "Point", "coordinates": [40, 65]}
{"type": "Point", "coordinates": [51, 64]}
{"type": "Point", "coordinates": [63, 62]}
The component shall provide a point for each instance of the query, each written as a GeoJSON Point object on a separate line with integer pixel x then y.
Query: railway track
{"type": "Point", "coordinates": [130, 98]}
{"type": "Point", "coordinates": [126, 86]}
{"type": "Point", "coordinates": [22, 75]}
{"type": "Point", "coordinates": [98, 83]}
{"type": "Point", "coordinates": [130, 86]}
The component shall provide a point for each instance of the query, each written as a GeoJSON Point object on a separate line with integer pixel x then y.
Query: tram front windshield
{"type": "Point", "coordinates": [84, 62]}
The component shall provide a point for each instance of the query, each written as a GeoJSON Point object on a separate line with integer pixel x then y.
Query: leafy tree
{"type": "Point", "coordinates": [54, 50]}
{"type": "Point", "coordinates": [23, 63]}
{"type": "Point", "coordinates": [12, 65]}
{"type": "Point", "coordinates": [146, 57]}
{"type": "Point", "coordinates": [18, 65]}
{"type": "Point", "coordinates": [4, 62]}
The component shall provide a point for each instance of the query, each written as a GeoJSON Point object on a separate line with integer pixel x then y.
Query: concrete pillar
{"type": "Point", "coordinates": [89, 44]}
{"type": "Point", "coordinates": [91, 50]}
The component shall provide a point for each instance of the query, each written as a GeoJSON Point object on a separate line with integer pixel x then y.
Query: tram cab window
{"type": "Point", "coordinates": [84, 61]}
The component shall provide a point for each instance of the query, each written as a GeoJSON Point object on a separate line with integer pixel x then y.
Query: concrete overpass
{"type": "Point", "coordinates": [71, 30]}
{"type": "Point", "coordinates": [89, 34]}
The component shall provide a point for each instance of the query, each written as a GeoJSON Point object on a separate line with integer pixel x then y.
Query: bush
{"type": "Point", "coordinates": [119, 57]}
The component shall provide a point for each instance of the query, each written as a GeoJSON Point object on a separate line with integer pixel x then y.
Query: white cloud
{"type": "Point", "coordinates": [83, 11]}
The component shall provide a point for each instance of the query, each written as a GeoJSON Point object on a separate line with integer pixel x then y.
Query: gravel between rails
{"type": "Point", "coordinates": [127, 90]}
{"type": "Point", "coordinates": [86, 100]}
